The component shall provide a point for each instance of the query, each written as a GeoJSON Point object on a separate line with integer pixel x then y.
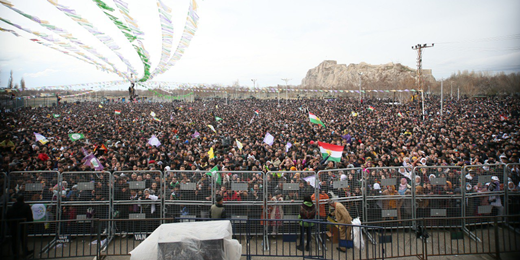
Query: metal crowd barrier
{"type": "Point", "coordinates": [398, 195]}
{"type": "Point", "coordinates": [427, 238]}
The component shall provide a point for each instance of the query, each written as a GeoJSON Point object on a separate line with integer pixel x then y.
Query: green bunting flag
{"type": "Point", "coordinates": [218, 118]}
{"type": "Point", "coordinates": [76, 136]}
{"type": "Point", "coordinates": [55, 115]}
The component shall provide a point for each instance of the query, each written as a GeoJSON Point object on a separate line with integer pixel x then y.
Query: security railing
{"type": "Point", "coordinates": [427, 238]}
{"type": "Point", "coordinates": [398, 196]}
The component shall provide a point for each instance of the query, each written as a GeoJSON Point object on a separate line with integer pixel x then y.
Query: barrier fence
{"type": "Point", "coordinates": [369, 241]}
{"type": "Point", "coordinates": [394, 195]}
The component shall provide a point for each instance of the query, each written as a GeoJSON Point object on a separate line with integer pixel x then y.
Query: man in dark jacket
{"type": "Point", "coordinates": [308, 212]}
{"type": "Point", "coordinates": [19, 212]}
{"type": "Point", "coordinates": [217, 210]}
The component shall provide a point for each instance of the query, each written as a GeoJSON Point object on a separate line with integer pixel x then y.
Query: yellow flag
{"type": "Point", "coordinates": [211, 153]}
{"type": "Point", "coordinates": [100, 106]}
{"type": "Point", "coordinates": [212, 128]}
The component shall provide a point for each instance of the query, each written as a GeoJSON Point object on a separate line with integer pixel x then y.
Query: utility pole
{"type": "Point", "coordinates": [360, 98]}
{"type": "Point", "coordinates": [442, 94]}
{"type": "Point", "coordinates": [286, 90]}
{"type": "Point", "coordinates": [458, 92]}
{"type": "Point", "coordinates": [419, 48]}
{"type": "Point", "coordinates": [451, 93]}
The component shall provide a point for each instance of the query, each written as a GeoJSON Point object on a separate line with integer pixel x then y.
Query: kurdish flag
{"type": "Point", "coordinates": [76, 136]}
{"type": "Point", "coordinates": [257, 112]}
{"type": "Point", "coordinates": [55, 115]}
{"type": "Point", "coordinates": [370, 108]}
{"type": "Point", "coordinates": [314, 119]}
{"type": "Point", "coordinates": [212, 173]}
{"type": "Point", "coordinates": [157, 119]}
{"type": "Point", "coordinates": [118, 112]}
{"type": "Point", "coordinates": [330, 151]}
{"type": "Point", "coordinates": [399, 114]}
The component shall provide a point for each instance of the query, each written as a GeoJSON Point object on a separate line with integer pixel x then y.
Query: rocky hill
{"type": "Point", "coordinates": [330, 74]}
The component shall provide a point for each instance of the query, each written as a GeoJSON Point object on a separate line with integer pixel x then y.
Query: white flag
{"type": "Point", "coordinates": [154, 141]}
{"type": "Point", "coordinates": [239, 145]}
{"type": "Point", "coordinates": [40, 138]}
{"type": "Point", "coordinates": [287, 146]}
{"type": "Point", "coordinates": [269, 139]}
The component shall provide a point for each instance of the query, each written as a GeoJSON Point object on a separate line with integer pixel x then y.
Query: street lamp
{"type": "Point", "coordinates": [286, 90]}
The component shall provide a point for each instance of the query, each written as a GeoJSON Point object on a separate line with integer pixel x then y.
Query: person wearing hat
{"type": "Point", "coordinates": [217, 210]}
{"type": "Point", "coordinates": [343, 217]}
{"type": "Point", "coordinates": [307, 212]}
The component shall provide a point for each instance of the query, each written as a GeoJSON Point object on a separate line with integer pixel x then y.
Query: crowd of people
{"type": "Point", "coordinates": [375, 133]}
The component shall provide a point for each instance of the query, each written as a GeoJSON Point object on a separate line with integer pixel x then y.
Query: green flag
{"type": "Point", "coordinates": [212, 173]}
{"type": "Point", "coordinates": [55, 115]}
{"type": "Point", "coordinates": [218, 118]}
{"type": "Point", "coordinates": [76, 136]}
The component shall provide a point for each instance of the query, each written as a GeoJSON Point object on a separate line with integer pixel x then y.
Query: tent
{"type": "Point", "coordinates": [190, 240]}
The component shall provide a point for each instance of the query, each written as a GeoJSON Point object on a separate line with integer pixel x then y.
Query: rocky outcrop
{"type": "Point", "coordinates": [330, 74]}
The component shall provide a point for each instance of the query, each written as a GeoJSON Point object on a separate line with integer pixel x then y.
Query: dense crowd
{"type": "Point", "coordinates": [374, 133]}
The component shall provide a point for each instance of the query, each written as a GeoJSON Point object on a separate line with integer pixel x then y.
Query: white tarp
{"type": "Point", "coordinates": [191, 235]}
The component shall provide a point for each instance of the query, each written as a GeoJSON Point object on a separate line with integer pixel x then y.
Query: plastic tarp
{"type": "Point", "coordinates": [190, 240]}
{"type": "Point", "coordinates": [359, 242]}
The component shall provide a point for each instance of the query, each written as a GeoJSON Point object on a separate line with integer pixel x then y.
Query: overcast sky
{"type": "Point", "coordinates": [273, 39]}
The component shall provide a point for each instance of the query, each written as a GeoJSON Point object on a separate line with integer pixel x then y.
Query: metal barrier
{"type": "Point", "coordinates": [388, 194]}
{"type": "Point", "coordinates": [284, 192]}
{"type": "Point", "coordinates": [512, 203]}
{"type": "Point", "coordinates": [347, 185]}
{"type": "Point", "coordinates": [484, 194]}
{"type": "Point", "coordinates": [438, 192]}
{"type": "Point", "coordinates": [136, 195]}
{"type": "Point", "coordinates": [268, 198]}
{"type": "Point", "coordinates": [378, 242]}
{"type": "Point", "coordinates": [85, 196]}
{"type": "Point", "coordinates": [188, 194]}
{"type": "Point", "coordinates": [242, 195]}
{"type": "Point", "coordinates": [43, 190]}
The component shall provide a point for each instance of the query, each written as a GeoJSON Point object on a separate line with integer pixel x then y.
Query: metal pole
{"type": "Point", "coordinates": [422, 96]}
{"type": "Point", "coordinates": [451, 94]}
{"type": "Point", "coordinates": [360, 98]}
{"type": "Point", "coordinates": [442, 93]}
{"type": "Point", "coordinates": [458, 92]}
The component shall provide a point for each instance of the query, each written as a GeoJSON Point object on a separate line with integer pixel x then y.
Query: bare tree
{"type": "Point", "coordinates": [22, 84]}
{"type": "Point", "coordinates": [10, 82]}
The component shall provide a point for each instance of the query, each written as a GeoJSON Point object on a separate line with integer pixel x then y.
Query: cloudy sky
{"type": "Point", "coordinates": [271, 39]}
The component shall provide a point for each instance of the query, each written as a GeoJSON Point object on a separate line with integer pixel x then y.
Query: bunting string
{"type": "Point", "coordinates": [190, 28]}
{"type": "Point", "coordinates": [64, 34]}
{"type": "Point", "coordinates": [127, 32]}
{"type": "Point", "coordinates": [56, 42]}
{"type": "Point", "coordinates": [167, 34]}
{"type": "Point", "coordinates": [102, 37]}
